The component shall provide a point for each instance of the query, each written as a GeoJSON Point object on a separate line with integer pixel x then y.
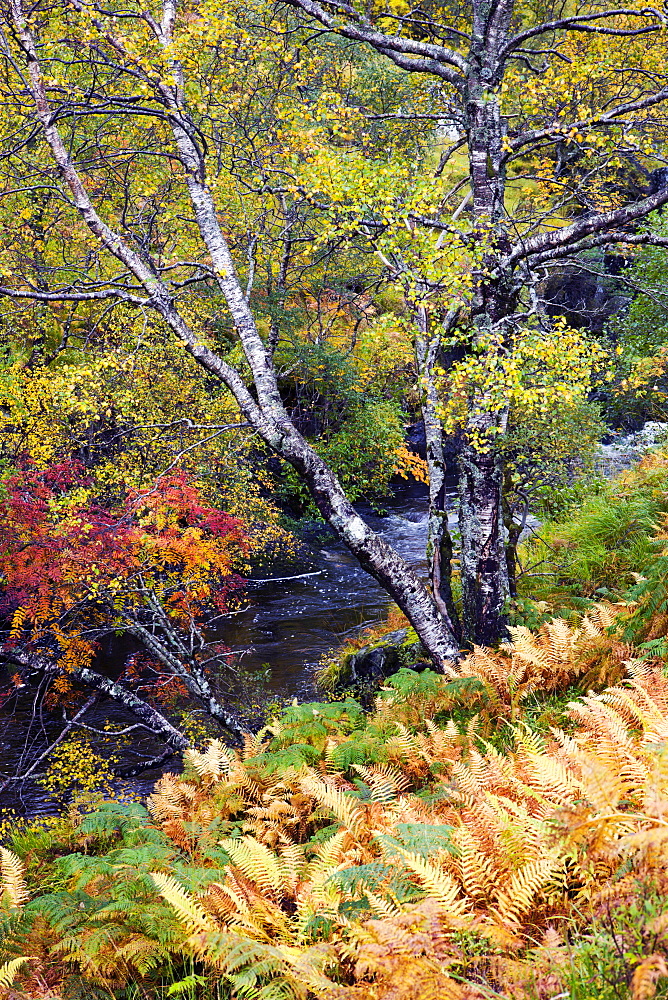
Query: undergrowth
{"type": "Point", "coordinates": [456, 842]}
{"type": "Point", "coordinates": [499, 835]}
{"type": "Point", "coordinates": [598, 547]}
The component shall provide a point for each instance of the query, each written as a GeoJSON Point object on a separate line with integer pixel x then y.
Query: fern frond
{"type": "Point", "coordinates": [187, 909]}
{"type": "Point", "coordinates": [214, 763]}
{"type": "Point", "coordinates": [10, 970]}
{"type": "Point", "coordinates": [383, 789]}
{"type": "Point", "coordinates": [345, 808]}
{"type": "Point", "coordinates": [562, 639]}
{"type": "Point", "coordinates": [404, 744]}
{"type": "Point", "coordinates": [257, 862]}
{"type": "Point", "coordinates": [645, 976]}
{"type": "Point", "coordinates": [385, 780]}
{"type": "Point", "coordinates": [441, 886]}
{"type": "Point", "coordinates": [385, 907]}
{"type": "Point", "coordinates": [254, 744]}
{"type": "Point", "coordinates": [292, 860]}
{"type": "Point", "coordinates": [601, 617]}
{"type": "Point", "coordinates": [552, 778]}
{"type": "Point", "coordinates": [13, 881]}
{"type": "Point", "coordinates": [519, 894]}
{"type": "Point", "coordinates": [167, 799]}
{"type": "Point", "coordinates": [331, 851]}
{"type": "Point", "coordinates": [476, 870]}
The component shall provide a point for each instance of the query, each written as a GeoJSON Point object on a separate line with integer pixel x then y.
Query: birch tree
{"type": "Point", "coordinates": [550, 109]}
{"type": "Point", "coordinates": [134, 69]}
{"type": "Point", "coordinates": [544, 99]}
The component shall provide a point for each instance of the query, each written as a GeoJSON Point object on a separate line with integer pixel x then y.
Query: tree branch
{"type": "Point", "coordinates": [541, 243]}
{"type": "Point", "coordinates": [71, 723]}
{"type": "Point", "coordinates": [557, 129]}
{"type": "Point", "coordinates": [70, 296]}
{"type": "Point", "coordinates": [149, 716]}
{"type": "Point", "coordinates": [582, 22]}
{"type": "Point", "coordinates": [410, 54]}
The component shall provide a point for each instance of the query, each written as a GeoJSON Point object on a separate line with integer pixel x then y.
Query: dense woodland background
{"type": "Point", "coordinates": [260, 263]}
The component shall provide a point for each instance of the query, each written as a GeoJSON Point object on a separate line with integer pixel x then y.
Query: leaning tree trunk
{"type": "Point", "coordinates": [266, 414]}
{"type": "Point", "coordinates": [151, 718]}
{"type": "Point", "coordinates": [373, 553]}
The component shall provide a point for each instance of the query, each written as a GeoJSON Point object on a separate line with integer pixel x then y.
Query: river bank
{"type": "Point", "coordinates": [286, 622]}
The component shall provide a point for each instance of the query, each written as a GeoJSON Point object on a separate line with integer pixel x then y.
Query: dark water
{"type": "Point", "coordinates": [290, 623]}
{"type": "Point", "coordinates": [286, 623]}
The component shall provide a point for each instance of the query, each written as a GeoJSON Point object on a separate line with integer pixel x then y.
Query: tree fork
{"type": "Point", "coordinates": [267, 416]}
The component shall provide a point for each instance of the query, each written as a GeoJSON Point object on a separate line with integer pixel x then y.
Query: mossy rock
{"type": "Point", "coordinates": [365, 669]}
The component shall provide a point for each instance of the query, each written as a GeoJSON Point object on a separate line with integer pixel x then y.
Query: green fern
{"type": "Point", "coordinates": [424, 839]}
{"type": "Point", "coordinates": [374, 876]}
{"type": "Point", "coordinates": [278, 761]}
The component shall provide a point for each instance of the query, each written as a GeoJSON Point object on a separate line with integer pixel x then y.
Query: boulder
{"type": "Point", "coordinates": [417, 443]}
{"type": "Point", "coordinates": [366, 669]}
{"type": "Point", "coordinates": [586, 295]}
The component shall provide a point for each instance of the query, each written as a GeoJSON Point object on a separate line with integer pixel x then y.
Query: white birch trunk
{"type": "Point", "coordinates": [267, 416]}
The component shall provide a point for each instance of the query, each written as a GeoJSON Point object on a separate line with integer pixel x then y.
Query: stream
{"type": "Point", "coordinates": [287, 623]}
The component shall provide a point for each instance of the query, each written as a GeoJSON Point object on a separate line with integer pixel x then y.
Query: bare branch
{"type": "Point", "coordinates": [558, 128]}
{"type": "Point", "coordinates": [571, 235]}
{"type": "Point", "coordinates": [410, 54]}
{"type": "Point", "coordinates": [70, 724]}
{"type": "Point", "coordinates": [72, 296]}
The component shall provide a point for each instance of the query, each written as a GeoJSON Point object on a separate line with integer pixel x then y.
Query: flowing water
{"type": "Point", "coordinates": [287, 623]}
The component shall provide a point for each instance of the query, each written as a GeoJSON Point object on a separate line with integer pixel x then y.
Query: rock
{"type": "Point", "coordinates": [653, 433]}
{"type": "Point", "coordinates": [417, 442]}
{"type": "Point", "coordinates": [416, 439]}
{"type": "Point", "coordinates": [586, 296]}
{"type": "Point", "coordinates": [366, 669]}
{"type": "Point", "coordinates": [658, 180]}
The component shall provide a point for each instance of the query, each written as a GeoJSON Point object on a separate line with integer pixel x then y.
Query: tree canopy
{"type": "Point", "coordinates": [244, 245]}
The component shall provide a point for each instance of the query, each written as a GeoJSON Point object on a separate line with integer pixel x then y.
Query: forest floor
{"type": "Point", "coordinates": [500, 835]}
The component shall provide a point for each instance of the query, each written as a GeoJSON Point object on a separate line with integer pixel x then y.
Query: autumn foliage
{"type": "Point", "coordinates": [75, 565]}
{"type": "Point", "coordinates": [339, 856]}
